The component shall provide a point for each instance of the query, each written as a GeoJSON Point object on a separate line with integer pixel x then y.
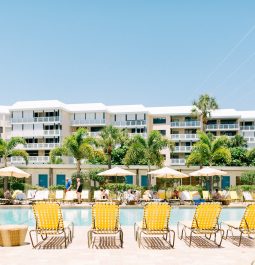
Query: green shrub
{"type": "Point", "coordinates": [18, 186]}
{"type": "Point", "coordinates": [56, 187]}
{"type": "Point", "coordinates": [121, 187]}
{"type": "Point", "coordinates": [248, 178]}
{"type": "Point", "coordinates": [1, 193]}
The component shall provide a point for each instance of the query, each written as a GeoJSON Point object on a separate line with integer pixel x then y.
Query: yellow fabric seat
{"type": "Point", "coordinates": [245, 226]}
{"type": "Point", "coordinates": [205, 221]}
{"type": "Point", "coordinates": [49, 222]}
{"type": "Point", "coordinates": [105, 220]}
{"type": "Point", "coordinates": [155, 222]}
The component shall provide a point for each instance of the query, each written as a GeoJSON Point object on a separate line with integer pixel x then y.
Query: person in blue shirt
{"type": "Point", "coordinates": [68, 184]}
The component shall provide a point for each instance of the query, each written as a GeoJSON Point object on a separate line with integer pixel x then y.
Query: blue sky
{"type": "Point", "coordinates": [156, 53]}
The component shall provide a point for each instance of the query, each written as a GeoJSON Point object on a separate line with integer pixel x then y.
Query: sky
{"type": "Point", "coordinates": [155, 53]}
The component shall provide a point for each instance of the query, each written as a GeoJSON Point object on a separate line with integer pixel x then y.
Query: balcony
{"type": "Point", "coordinates": [34, 133]}
{"type": "Point", "coordinates": [141, 123]}
{"type": "Point", "coordinates": [84, 122]}
{"type": "Point", "coordinates": [38, 146]}
{"type": "Point", "coordinates": [250, 139]}
{"type": "Point", "coordinates": [213, 127]}
{"type": "Point", "coordinates": [177, 161]}
{"type": "Point", "coordinates": [182, 149]}
{"type": "Point", "coordinates": [31, 160]}
{"type": "Point", "coordinates": [144, 135]}
{"type": "Point", "coordinates": [36, 120]}
{"type": "Point", "coordinates": [184, 137]}
{"type": "Point", "coordinates": [186, 124]}
{"type": "Point", "coordinates": [247, 128]}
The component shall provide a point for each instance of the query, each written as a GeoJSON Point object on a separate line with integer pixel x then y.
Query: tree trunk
{"type": "Point", "coordinates": [78, 166]}
{"type": "Point", "coordinates": [6, 178]}
{"type": "Point", "coordinates": [109, 161]}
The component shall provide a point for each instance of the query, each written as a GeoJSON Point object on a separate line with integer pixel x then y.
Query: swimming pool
{"type": "Point", "coordinates": [128, 216]}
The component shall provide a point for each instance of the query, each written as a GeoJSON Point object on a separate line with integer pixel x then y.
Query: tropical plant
{"type": "Point", "coordinates": [251, 157]}
{"type": "Point", "coordinates": [79, 146]}
{"type": "Point", "coordinates": [146, 151]}
{"type": "Point", "coordinates": [109, 139]}
{"type": "Point", "coordinates": [248, 178]}
{"type": "Point", "coordinates": [8, 149]}
{"type": "Point", "coordinates": [202, 109]}
{"type": "Point", "coordinates": [209, 151]}
{"type": "Point", "coordinates": [237, 141]}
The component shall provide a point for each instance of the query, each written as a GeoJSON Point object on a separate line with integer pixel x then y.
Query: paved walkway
{"type": "Point", "coordinates": [154, 251]}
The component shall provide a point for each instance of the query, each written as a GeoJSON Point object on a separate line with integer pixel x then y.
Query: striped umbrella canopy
{"type": "Point", "coordinates": [167, 172]}
{"type": "Point", "coordinates": [13, 172]}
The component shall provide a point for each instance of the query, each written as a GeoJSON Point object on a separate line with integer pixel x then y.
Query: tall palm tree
{"type": "Point", "coordinates": [108, 139]}
{"type": "Point", "coordinates": [78, 146]}
{"type": "Point", "coordinates": [203, 107]}
{"type": "Point", "coordinates": [209, 151]}
{"type": "Point", "coordinates": [7, 149]}
{"type": "Point", "coordinates": [147, 151]}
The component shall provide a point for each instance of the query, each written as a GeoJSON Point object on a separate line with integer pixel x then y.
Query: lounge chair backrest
{"type": "Point", "coordinates": [97, 195]}
{"type": "Point", "coordinates": [162, 194]}
{"type": "Point", "coordinates": [48, 216]}
{"type": "Point", "coordinates": [156, 216]}
{"type": "Point", "coordinates": [70, 195]}
{"type": "Point", "coordinates": [195, 195]}
{"type": "Point", "coordinates": [185, 196]}
{"type": "Point", "coordinates": [59, 194]}
{"type": "Point", "coordinates": [105, 216]}
{"type": "Point", "coordinates": [85, 195]}
{"type": "Point", "coordinates": [247, 196]}
{"type": "Point", "coordinates": [206, 194]}
{"type": "Point", "coordinates": [206, 216]}
{"type": "Point", "coordinates": [31, 194]}
{"type": "Point", "coordinates": [39, 195]}
{"type": "Point", "coordinates": [248, 220]}
{"type": "Point", "coordinates": [233, 195]}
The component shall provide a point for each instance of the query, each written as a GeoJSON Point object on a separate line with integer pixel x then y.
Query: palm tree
{"type": "Point", "coordinates": [209, 151]}
{"type": "Point", "coordinates": [7, 149]}
{"type": "Point", "coordinates": [78, 146]}
{"type": "Point", "coordinates": [203, 107]}
{"type": "Point", "coordinates": [109, 138]}
{"type": "Point", "coordinates": [147, 151]}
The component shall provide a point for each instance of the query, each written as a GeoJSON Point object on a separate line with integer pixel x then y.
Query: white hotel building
{"type": "Point", "coordinates": [44, 125]}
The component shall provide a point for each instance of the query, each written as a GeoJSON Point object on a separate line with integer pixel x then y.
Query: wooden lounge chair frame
{"type": "Point", "coordinates": [49, 222]}
{"type": "Point", "coordinates": [155, 222]}
{"type": "Point", "coordinates": [105, 221]}
{"type": "Point", "coordinates": [205, 221]}
{"type": "Point", "coordinates": [246, 226]}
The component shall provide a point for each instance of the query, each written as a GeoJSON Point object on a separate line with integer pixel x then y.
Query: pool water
{"type": "Point", "coordinates": [82, 217]}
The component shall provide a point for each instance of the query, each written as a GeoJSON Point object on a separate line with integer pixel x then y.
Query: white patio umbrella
{"type": "Point", "coordinates": [13, 172]}
{"type": "Point", "coordinates": [208, 172]}
{"type": "Point", "coordinates": [116, 171]}
{"type": "Point", "coordinates": [167, 172]}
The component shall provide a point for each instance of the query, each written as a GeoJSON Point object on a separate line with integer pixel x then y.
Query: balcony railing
{"type": "Point", "coordinates": [247, 128]}
{"type": "Point", "coordinates": [233, 126]}
{"type": "Point", "coordinates": [88, 122]}
{"type": "Point", "coordinates": [177, 161]}
{"type": "Point", "coordinates": [144, 135]}
{"type": "Point", "coordinates": [250, 139]}
{"type": "Point", "coordinates": [31, 160]}
{"type": "Point", "coordinates": [36, 120]}
{"type": "Point", "coordinates": [36, 146]}
{"type": "Point", "coordinates": [34, 133]}
{"type": "Point", "coordinates": [183, 137]}
{"type": "Point", "coordinates": [185, 124]}
{"type": "Point", "coordinates": [129, 123]}
{"type": "Point", "coordinates": [182, 149]}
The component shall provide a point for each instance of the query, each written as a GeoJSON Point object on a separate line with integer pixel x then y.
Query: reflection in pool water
{"type": "Point", "coordinates": [128, 216]}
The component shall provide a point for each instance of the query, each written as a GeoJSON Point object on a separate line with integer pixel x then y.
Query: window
{"type": "Point", "coordinates": [162, 132]}
{"type": "Point", "coordinates": [159, 121]}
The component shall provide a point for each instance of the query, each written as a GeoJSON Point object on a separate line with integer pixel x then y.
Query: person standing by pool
{"type": "Point", "coordinates": [79, 190]}
{"type": "Point", "coordinates": [68, 184]}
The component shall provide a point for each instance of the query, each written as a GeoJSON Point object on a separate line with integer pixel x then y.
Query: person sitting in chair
{"type": "Point", "coordinates": [216, 195]}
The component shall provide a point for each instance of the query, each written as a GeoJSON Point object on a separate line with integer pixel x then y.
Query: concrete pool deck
{"type": "Point", "coordinates": [154, 251]}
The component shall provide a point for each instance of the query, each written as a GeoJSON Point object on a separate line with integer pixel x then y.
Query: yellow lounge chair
{"type": "Point", "coordinates": [245, 226]}
{"type": "Point", "coordinates": [105, 221]}
{"type": "Point", "coordinates": [49, 222]}
{"type": "Point", "coordinates": [155, 222]}
{"type": "Point", "coordinates": [205, 221]}
{"type": "Point", "coordinates": [206, 195]}
{"type": "Point", "coordinates": [233, 196]}
{"type": "Point", "coordinates": [162, 194]}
